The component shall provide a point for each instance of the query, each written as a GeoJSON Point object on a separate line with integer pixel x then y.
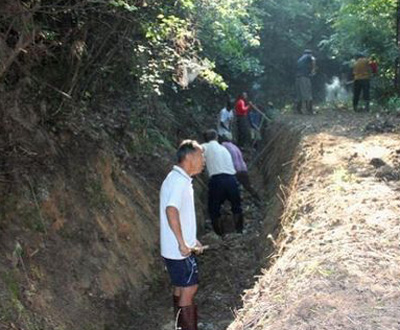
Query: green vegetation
{"type": "Point", "coordinates": [369, 27]}
{"type": "Point", "coordinates": [366, 26]}
{"type": "Point", "coordinates": [11, 283]}
{"type": "Point", "coordinates": [11, 308]}
{"type": "Point", "coordinates": [134, 77]}
{"type": "Point", "coordinates": [78, 54]}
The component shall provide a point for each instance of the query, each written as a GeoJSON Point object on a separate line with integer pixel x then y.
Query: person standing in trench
{"type": "Point", "coordinates": [242, 108]}
{"type": "Point", "coordinates": [225, 119]}
{"type": "Point", "coordinates": [178, 232]}
{"type": "Point", "coordinates": [242, 173]}
{"type": "Point", "coordinates": [223, 184]}
{"type": "Point", "coordinates": [305, 69]}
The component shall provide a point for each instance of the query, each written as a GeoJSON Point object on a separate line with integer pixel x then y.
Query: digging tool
{"type": "Point", "coordinates": [199, 250]}
{"type": "Point", "coordinates": [264, 118]}
{"type": "Point", "coordinates": [260, 112]}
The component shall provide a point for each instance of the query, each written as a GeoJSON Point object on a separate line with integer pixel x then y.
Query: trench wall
{"type": "Point", "coordinates": [81, 242]}
{"type": "Point", "coordinates": [276, 163]}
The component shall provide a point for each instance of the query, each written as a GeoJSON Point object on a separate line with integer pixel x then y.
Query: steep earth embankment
{"type": "Point", "coordinates": [78, 220]}
{"type": "Point", "coordinates": [79, 208]}
{"type": "Point", "coordinates": [77, 246]}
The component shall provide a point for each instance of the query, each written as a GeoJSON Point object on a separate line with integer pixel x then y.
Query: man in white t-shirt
{"type": "Point", "coordinates": [223, 184]}
{"type": "Point", "coordinates": [178, 231]}
{"type": "Point", "coordinates": [225, 120]}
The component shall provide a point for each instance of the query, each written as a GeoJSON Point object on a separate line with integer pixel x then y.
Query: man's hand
{"type": "Point", "coordinates": [184, 250]}
{"type": "Point", "coordinates": [199, 248]}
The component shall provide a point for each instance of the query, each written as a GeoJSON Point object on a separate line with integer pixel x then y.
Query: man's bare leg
{"type": "Point", "coordinates": [186, 294]}
{"type": "Point", "coordinates": [187, 310]}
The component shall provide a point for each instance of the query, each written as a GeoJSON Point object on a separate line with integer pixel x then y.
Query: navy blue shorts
{"type": "Point", "coordinates": [183, 272]}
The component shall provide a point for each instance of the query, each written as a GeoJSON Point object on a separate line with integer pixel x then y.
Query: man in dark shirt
{"type": "Point", "coordinates": [304, 70]}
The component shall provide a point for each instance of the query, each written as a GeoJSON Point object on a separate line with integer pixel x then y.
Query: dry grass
{"type": "Point", "coordinates": [338, 261]}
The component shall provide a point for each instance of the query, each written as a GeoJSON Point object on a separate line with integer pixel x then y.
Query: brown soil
{"type": "Point", "coordinates": [337, 259]}
{"type": "Point", "coordinates": [335, 264]}
{"type": "Point", "coordinates": [82, 244]}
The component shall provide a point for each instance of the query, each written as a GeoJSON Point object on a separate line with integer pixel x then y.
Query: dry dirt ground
{"type": "Point", "coordinates": [336, 263]}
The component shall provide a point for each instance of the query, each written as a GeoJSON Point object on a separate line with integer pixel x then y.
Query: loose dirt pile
{"type": "Point", "coordinates": [337, 265]}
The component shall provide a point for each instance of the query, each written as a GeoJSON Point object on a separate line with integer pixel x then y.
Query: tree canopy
{"type": "Point", "coordinates": [74, 55]}
{"type": "Point", "coordinates": [163, 44]}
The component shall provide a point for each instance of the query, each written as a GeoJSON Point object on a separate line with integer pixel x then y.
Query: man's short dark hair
{"type": "Point", "coordinates": [210, 134]}
{"type": "Point", "coordinates": [185, 148]}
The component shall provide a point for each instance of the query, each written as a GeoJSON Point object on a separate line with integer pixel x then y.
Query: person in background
{"type": "Point", "coordinates": [225, 119]}
{"type": "Point", "coordinates": [242, 108]}
{"type": "Point", "coordinates": [373, 63]}
{"type": "Point", "coordinates": [242, 173]}
{"type": "Point", "coordinates": [374, 82]}
{"type": "Point", "coordinates": [362, 74]}
{"type": "Point", "coordinates": [223, 184]}
{"type": "Point", "coordinates": [256, 119]}
{"type": "Point", "coordinates": [305, 69]}
{"type": "Point", "coordinates": [178, 232]}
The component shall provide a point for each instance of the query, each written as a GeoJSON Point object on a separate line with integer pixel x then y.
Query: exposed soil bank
{"type": "Point", "coordinates": [81, 243]}
{"type": "Point", "coordinates": [77, 244]}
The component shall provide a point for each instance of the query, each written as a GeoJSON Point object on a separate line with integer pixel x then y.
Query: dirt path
{"type": "Point", "coordinates": [338, 262]}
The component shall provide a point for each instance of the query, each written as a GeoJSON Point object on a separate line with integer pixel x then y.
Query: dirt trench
{"type": "Point", "coordinates": [232, 264]}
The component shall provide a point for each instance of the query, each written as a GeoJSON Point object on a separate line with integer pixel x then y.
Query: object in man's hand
{"type": "Point", "coordinates": [200, 249]}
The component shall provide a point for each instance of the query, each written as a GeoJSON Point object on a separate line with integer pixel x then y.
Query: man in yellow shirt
{"type": "Point", "coordinates": [362, 74]}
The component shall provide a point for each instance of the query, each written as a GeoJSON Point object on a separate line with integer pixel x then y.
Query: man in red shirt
{"type": "Point", "coordinates": [242, 108]}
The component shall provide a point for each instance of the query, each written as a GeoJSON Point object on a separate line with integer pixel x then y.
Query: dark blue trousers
{"type": "Point", "coordinates": [223, 187]}
{"type": "Point", "coordinates": [360, 86]}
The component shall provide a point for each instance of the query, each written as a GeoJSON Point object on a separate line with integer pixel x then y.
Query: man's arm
{"type": "Point", "coordinates": [260, 112]}
{"type": "Point", "coordinates": [175, 225]}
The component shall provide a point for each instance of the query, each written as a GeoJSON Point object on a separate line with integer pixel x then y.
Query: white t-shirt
{"type": "Point", "coordinates": [226, 118]}
{"type": "Point", "coordinates": [177, 191]}
{"type": "Point", "coordinates": [218, 159]}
